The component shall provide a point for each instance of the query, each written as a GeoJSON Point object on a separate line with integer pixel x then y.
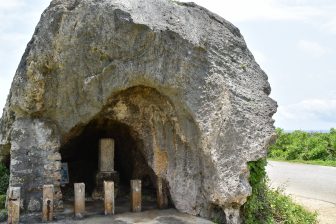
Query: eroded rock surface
{"type": "Point", "coordinates": [180, 77]}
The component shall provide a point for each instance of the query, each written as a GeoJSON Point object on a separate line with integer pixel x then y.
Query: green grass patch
{"type": "Point", "coordinates": [267, 206]}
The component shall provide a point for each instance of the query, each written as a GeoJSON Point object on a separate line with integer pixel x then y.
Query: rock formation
{"type": "Point", "coordinates": [177, 80]}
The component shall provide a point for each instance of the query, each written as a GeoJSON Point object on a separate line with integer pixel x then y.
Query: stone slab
{"type": "Point", "coordinates": [106, 155]}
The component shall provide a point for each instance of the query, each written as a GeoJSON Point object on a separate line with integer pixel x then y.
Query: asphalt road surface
{"type": "Point", "coordinates": [310, 185]}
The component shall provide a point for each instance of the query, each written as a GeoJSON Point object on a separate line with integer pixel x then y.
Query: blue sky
{"type": "Point", "coordinates": [292, 40]}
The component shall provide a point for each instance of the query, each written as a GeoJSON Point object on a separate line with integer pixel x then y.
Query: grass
{"type": "Point", "coordinates": [312, 162]}
{"type": "Point", "coordinates": [284, 210]}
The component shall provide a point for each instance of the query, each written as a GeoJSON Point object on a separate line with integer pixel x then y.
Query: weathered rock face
{"type": "Point", "coordinates": [179, 77]}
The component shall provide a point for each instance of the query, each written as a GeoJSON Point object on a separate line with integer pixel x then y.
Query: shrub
{"type": "Point", "coordinates": [3, 215]}
{"type": "Point", "coordinates": [300, 145]}
{"type": "Point", "coordinates": [257, 208]}
{"type": "Point", "coordinates": [2, 201]}
{"type": "Point", "coordinates": [284, 210]}
{"type": "Point", "coordinates": [4, 178]}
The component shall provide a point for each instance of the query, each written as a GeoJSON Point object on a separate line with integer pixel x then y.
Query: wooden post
{"type": "Point", "coordinates": [14, 205]}
{"type": "Point", "coordinates": [109, 197]}
{"type": "Point", "coordinates": [79, 200]}
{"type": "Point", "coordinates": [161, 193]}
{"type": "Point", "coordinates": [48, 203]}
{"type": "Point", "coordinates": [136, 195]}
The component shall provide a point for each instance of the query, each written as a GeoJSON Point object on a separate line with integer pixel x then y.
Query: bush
{"type": "Point", "coordinates": [257, 208]}
{"type": "Point", "coordinates": [2, 201]}
{"type": "Point", "coordinates": [4, 178]}
{"type": "Point", "coordinates": [3, 215]}
{"type": "Point", "coordinates": [284, 210]}
{"type": "Point", "coordinates": [300, 145]}
{"type": "Point", "coordinates": [266, 206]}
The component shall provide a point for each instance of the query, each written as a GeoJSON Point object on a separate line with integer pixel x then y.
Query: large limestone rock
{"type": "Point", "coordinates": [180, 77]}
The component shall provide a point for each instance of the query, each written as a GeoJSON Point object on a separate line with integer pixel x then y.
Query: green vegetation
{"type": "Point", "coordinates": [299, 146]}
{"type": "Point", "coordinates": [267, 206]}
{"type": "Point", "coordinates": [2, 201]}
{"type": "Point", "coordinates": [4, 179]}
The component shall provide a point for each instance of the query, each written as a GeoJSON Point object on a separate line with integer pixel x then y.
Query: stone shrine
{"type": "Point", "coordinates": [106, 170]}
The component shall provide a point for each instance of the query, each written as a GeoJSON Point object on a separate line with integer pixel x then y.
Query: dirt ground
{"type": "Point", "coordinates": [167, 216]}
{"type": "Point", "coordinates": [326, 210]}
{"type": "Point", "coordinates": [94, 213]}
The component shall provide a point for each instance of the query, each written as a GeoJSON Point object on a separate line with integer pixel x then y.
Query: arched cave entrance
{"type": "Point", "coordinates": [155, 139]}
{"type": "Point", "coordinates": [81, 154]}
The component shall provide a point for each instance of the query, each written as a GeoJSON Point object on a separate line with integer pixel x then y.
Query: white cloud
{"type": "Point", "coordinates": [330, 26]}
{"type": "Point", "coordinates": [301, 115]}
{"type": "Point", "coordinates": [312, 48]}
{"type": "Point", "coordinates": [332, 93]}
{"type": "Point", "coordinates": [11, 4]}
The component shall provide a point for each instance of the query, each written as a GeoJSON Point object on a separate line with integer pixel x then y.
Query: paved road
{"type": "Point", "coordinates": [311, 185]}
{"type": "Point", "coordinates": [311, 181]}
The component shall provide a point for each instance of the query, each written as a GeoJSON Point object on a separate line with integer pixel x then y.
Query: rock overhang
{"type": "Point", "coordinates": [85, 53]}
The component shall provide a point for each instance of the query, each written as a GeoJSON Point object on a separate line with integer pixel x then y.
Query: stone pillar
{"type": "Point", "coordinates": [79, 199]}
{"type": "Point", "coordinates": [109, 197]}
{"type": "Point", "coordinates": [106, 155]}
{"type": "Point", "coordinates": [136, 195]}
{"type": "Point", "coordinates": [106, 168]}
{"type": "Point", "coordinates": [14, 205]}
{"type": "Point", "coordinates": [48, 203]}
{"type": "Point", "coordinates": [161, 193]}
{"type": "Point", "coordinates": [35, 161]}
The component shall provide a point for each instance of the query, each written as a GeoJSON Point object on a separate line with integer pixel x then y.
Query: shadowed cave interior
{"type": "Point", "coordinates": [81, 153]}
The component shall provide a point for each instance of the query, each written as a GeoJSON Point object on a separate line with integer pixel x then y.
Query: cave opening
{"type": "Point", "coordinates": [81, 154]}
